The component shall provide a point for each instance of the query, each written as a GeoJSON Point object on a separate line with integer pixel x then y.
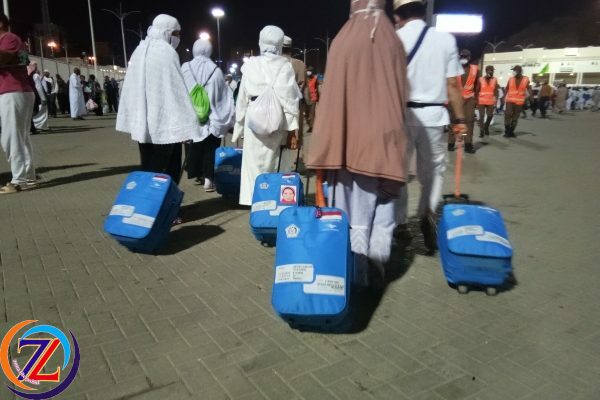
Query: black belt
{"type": "Point", "coordinates": [412, 104]}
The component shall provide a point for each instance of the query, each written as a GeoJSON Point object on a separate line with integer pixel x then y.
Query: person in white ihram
{"type": "Point", "coordinates": [202, 71]}
{"type": "Point", "coordinates": [76, 99]}
{"type": "Point", "coordinates": [155, 106]}
{"type": "Point", "coordinates": [262, 152]}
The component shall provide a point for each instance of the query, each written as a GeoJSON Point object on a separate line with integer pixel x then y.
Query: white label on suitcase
{"type": "Point", "coordinates": [295, 273]}
{"type": "Point", "coordinates": [140, 220]}
{"type": "Point", "coordinates": [277, 212]}
{"type": "Point", "coordinates": [269, 205]}
{"type": "Point", "coordinates": [327, 285]}
{"type": "Point", "coordinates": [469, 230]}
{"type": "Point", "coordinates": [493, 238]}
{"type": "Point", "coordinates": [120, 210]}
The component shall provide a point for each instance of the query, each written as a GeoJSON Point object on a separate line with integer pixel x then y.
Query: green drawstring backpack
{"type": "Point", "coordinates": [200, 98]}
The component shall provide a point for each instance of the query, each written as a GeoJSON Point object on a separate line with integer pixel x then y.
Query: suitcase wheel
{"type": "Point", "coordinates": [463, 289]}
{"type": "Point", "coordinates": [491, 291]}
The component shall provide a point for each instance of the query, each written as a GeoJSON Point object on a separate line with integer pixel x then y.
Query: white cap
{"type": "Point", "coordinates": [400, 3]}
{"type": "Point", "coordinates": [287, 41]}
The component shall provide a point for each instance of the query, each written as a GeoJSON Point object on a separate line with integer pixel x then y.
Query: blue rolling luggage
{"type": "Point", "coordinates": [474, 247]}
{"type": "Point", "coordinates": [313, 267]}
{"type": "Point", "coordinates": [144, 211]}
{"type": "Point", "coordinates": [273, 193]}
{"type": "Point", "coordinates": [228, 171]}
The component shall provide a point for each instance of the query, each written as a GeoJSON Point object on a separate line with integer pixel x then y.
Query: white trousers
{"type": "Point", "coordinates": [16, 110]}
{"type": "Point", "coordinates": [370, 204]}
{"type": "Point", "coordinates": [429, 144]}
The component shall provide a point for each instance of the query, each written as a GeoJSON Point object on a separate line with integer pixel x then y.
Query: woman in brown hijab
{"type": "Point", "coordinates": [359, 134]}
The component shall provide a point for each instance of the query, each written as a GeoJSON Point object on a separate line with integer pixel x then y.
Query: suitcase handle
{"type": "Point", "coordinates": [458, 169]}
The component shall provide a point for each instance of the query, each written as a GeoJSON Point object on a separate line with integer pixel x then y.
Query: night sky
{"type": "Point", "coordinates": [302, 20]}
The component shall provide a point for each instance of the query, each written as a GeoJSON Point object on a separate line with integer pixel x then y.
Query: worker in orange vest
{"type": "Point", "coordinates": [487, 97]}
{"type": "Point", "coordinates": [470, 84]}
{"type": "Point", "coordinates": [516, 95]}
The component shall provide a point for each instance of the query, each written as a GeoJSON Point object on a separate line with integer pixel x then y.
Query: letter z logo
{"type": "Point", "coordinates": [45, 350]}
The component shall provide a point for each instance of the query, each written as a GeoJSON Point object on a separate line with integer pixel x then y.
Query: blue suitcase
{"type": "Point", "coordinates": [313, 267]}
{"type": "Point", "coordinates": [144, 211]}
{"type": "Point", "coordinates": [474, 247]}
{"type": "Point", "coordinates": [228, 171]}
{"type": "Point", "coordinates": [273, 193]}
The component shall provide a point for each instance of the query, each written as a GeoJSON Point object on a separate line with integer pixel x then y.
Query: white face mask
{"type": "Point", "coordinates": [464, 61]}
{"type": "Point", "coordinates": [309, 73]}
{"type": "Point", "coordinates": [175, 40]}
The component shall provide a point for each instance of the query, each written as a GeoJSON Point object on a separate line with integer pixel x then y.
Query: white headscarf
{"type": "Point", "coordinates": [271, 40]}
{"type": "Point", "coordinates": [162, 28]}
{"type": "Point", "coordinates": [155, 105]}
{"type": "Point", "coordinates": [202, 48]}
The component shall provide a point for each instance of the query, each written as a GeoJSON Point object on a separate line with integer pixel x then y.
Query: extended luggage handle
{"type": "Point", "coordinates": [281, 148]}
{"type": "Point", "coordinates": [458, 173]}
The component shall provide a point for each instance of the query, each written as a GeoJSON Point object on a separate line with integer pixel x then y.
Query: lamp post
{"type": "Point", "coordinates": [218, 13]}
{"type": "Point", "coordinates": [494, 46]}
{"type": "Point", "coordinates": [93, 37]}
{"type": "Point", "coordinates": [138, 33]}
{"type": "Point", "coordinates": [120, 15]}
{"type": "Point", "coordinates": [430, 9]}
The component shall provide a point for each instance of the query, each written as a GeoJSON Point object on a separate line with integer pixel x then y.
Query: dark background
{"type": "Point", "coordinates": [302, 20]}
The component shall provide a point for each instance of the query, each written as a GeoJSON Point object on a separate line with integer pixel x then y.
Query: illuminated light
{"type": "Point", "coordinates": [459, 23]}
{"type": "Point", "coordinates": [204, 36]}
{"type": "Point", "coordinates": [52, 44]}
{"type": "Point", "coordinates": [218, 12]}
{"type": "Point", "coordinates": [232, 70]}
{"type": "Point", "coordinates": [234, 66]}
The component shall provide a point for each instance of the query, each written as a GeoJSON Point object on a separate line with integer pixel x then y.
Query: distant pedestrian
{"type": "Point", "coordinates": [312, 96]}
{"type": "Point", "coordinates": [470, 86]}
{"type": "Point", "coordinates": [155, 107]}
{"type": "Point", "coordinates": [516, 96]}
{"type": "Point", "coordinates": [546, 95]}
{"type": "Point", "coordinates": [534, 99]}
{"type": "Point", "coordinates": [300, 72]}
{"type": "Point", "coordinates": [76, 97]}
{"type": "Point", "coordinates": [263, 153]}
{"type": "Point", "coordinates": [561, 98]}
{"type": "Point", "coordinates": [40, 114]}
{"type": "Point", "coordinates": [487, 97]}
{"type": "Point", "coordinates": [202, 71]}
{"type": "Point", "coordinates": [96, 95]}
{"type": "Point", "coordinates": [62, 95]}
{"type": "Point", "coordinates": [111, 95]}
{"type": "Point", "coordinates": [16, 109]}
{"type": "Point", "coordinates": [50, 89]}
{"type": "Point", "coordinates": [596, 98]}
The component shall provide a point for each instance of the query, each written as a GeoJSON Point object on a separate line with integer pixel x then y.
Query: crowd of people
{"type": "Point", "coordinates": [414, 86]}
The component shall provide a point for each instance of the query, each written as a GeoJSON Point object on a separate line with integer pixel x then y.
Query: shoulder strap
{"type": "Point", "coordinates": [417, 45]}
{"type": "Point", "coordinates": [210, 76]}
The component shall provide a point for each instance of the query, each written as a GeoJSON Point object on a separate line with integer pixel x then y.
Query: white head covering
{"type": "Point", "coordinates": [271, 40]}
{"type": "Point", "coordinates": [202, 48]}
{"type": "Point", "coordinates": [162, 28]}
{"type": "Point", "coordinates": [287, 41]}
{"type": "Point", "coordinates": [400, 3]}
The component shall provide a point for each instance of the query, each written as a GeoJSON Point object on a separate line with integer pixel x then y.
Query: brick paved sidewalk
{"type": "Point", "coordinates": [196, 322]}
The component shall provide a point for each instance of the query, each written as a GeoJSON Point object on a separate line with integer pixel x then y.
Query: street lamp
{"type": "Point", "coordinates": [218, 13]}
{"type": "Point", "coordinates": [93, 36]}
{"type": "Point", "coordinates": [120, 15]}
{"type": "Point", "coordinates": [494, 46]}
{"type": "Point", "coordinates": [6, 12]}
{"type": "Point", "coordinates": [52, 46]}
{"type": "Point", "coordinates": [204, 36]}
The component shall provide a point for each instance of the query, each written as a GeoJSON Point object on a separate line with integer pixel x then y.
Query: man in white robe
{"type": "Point", "coordinates": [262, 153]}
{"type": "Point", "coordinates": [76, 96]}
{"type": "Point", "coordinates": [202, 71]}
{"type": "Point", "coordinates": [155, 106]}
{"type": "Point", "coordinates": [40, 116]}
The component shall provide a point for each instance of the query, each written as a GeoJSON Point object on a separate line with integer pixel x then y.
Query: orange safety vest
{"type": "Point", "coordinates": [487, 91]}
{"type": "Point", "coordinates": [313, 84]}
{"type": "Point", "coordinates": [469, 88]}
{"type": "Point", "coordinates": [517, 95]}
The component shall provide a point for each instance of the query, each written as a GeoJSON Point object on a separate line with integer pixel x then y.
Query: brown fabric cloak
{"type": "Point", "coordinates": [360, 120]}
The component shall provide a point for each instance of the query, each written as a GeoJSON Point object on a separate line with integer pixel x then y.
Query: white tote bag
{"type": "Point", "coordinates": [265, 114]}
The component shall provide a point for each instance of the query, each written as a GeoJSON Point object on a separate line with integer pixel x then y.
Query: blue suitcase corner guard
{"type": "Point", "coordinates": [144, 211]}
